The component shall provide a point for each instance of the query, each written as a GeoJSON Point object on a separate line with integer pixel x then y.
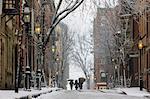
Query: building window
{"type": "Point", "coordinates": [11, 7]}
{"type": "Point", "coordinates": [9, 4]}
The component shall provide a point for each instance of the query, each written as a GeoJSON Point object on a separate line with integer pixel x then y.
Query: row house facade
{"type": "Point", "coordinates": [141, 31]}
{"type": "Point", "coordinates": [9, 24]}
{"type": "Point", "coordinates": [63, 53]}
{"type": "Point", "coordinates": [138, 16]}
{"type": "Point", "coordinates": [103, 45]}
{"type": "Point", "coordinates": [17, 47]}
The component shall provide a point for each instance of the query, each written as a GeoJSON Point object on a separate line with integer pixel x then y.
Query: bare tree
{"type": "Point", "coordinates": [59, 15]}
{"type": "Point", "coordinates": [81, 56]}
{"type": "Point", "coordinates": [116, 41]}
{"type": "Point", "coordinates": [67, 43]}
{"type": "Point", "coordinates": [121, 28]}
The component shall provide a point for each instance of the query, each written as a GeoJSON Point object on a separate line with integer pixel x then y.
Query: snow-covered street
{"type": "Point", "coordinates": [67, 94]}
{"type": "Point", "coordinates": [74, 49]}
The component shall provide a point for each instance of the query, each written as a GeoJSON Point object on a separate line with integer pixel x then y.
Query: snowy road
{"type": "Point", "coordinates": [66, 94]}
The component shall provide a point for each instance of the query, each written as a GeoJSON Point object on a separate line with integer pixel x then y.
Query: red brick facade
{"type": "Point", "coordinates": [141, 30]}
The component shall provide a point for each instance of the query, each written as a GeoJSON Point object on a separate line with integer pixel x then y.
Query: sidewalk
{"type": "Point", "coordinates": [10, 94]}
{"type": "Point", "coordinates": [134, 91]}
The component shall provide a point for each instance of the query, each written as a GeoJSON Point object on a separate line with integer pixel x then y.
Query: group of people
{"type": "Point", "coordinates": [77, 84]}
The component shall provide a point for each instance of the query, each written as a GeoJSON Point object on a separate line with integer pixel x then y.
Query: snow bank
{"type": "Point", "coordinates": [134, 91]}
{"type": "Point", "coordinates": [10, 94]}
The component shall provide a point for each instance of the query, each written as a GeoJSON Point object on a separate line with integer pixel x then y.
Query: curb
{"type": "Point", "coordinates": [36, 95]}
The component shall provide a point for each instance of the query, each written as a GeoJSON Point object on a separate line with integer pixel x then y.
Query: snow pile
{"type": "Point", "coordinates": [134, 91]}
{"type": "Point", "coordinates": [10, 94]}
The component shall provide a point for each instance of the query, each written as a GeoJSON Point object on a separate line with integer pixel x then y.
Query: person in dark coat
{"type": "Point", "coordinates": [76, 84]}
{"type": "Point", "coordinates": [71, 84]}
{"type": "Point", "coordinates": [81, 81]}
{"type": "Point", "coordinates": [80, 85]}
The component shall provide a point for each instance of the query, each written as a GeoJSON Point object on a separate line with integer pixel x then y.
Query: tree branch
{"type": "Point", "coordinates": [61, 18]}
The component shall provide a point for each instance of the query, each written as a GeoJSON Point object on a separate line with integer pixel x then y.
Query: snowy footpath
{"type": "Point", "coordinates": [10, 94]}
{"type": "Point", "coordinates": [57, 93]}
{"type": "Point", "coordinates": [133, 91]}
{"type": "Point", "coordinates": [95, 94]}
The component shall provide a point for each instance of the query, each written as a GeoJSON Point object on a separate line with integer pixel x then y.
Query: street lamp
{"type": "Point", "coordinates": [39, 79]}
{"type": "Point", "coordinates": [53, 48]}
{"type": "Point", "coordinates": [26, 13]}
{"type": "Point", "coordinates": [37, 28]}
{"type": "Point", "coordinates": [38, 73]}
{"type": "Point", "coordinates": [57, 74]}
{"type": "Point", "coordinates": [140, 46]}
{"type": "Point", "coordinates": [27, 81]}
{"type": "Point", "coordinates": [26, 19]}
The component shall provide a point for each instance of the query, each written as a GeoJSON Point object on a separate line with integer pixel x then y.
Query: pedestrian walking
{"type": "Point", "coordinates": [81, 81]}
{"type": "Point", "coordinates": [76, 84]}
{"type": "Point", "coordinates": [71, 84]}
{"type": "Point", "coordinates": [80, 85]}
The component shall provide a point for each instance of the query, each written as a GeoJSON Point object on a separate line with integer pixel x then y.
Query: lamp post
{"type": "Point", "coordinates": [26, 19]}
{"type": "Point", "coordinates": [58, 73]}
{"type": "Point", "coordinates": [37, 28]}
{"type": "Point", "coordinates": [54, 70]}
{"type": "Point", "coordinates": [53, 48]}
{"type": "Point", "coordinates": [114, 70]}
{"type": "Point", "coordinates": [140, 46]}
{"type": "Point", "coordinates": [38, 74]}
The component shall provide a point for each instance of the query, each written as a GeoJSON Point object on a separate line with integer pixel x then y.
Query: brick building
{"type": "Point", "coordinates": [16, 45]}
{"type": "Point", "coordinates": [141, 31]}
{"type": "Point", "coordinates": [139, 15]}
{"type": "Point", "coordinates": [9, 23]}
{"type": "Point", "coordinates": [103, 44]}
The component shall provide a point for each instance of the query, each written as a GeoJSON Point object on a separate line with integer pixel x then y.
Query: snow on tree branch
{"type": "Point", "coordinates": [81, 54]}
{"type": "Point", "coordinates": [58, 16]}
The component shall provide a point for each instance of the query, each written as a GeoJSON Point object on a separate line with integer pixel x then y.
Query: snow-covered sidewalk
{"type": "Point", "coordinates": [134, 91]}
{"type": "Point", "coordinates": [10, 94]}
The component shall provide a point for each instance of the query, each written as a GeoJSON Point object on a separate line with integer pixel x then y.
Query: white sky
{"type": "Point", "coordinates": [81, 19]}
{"type": "Point", "coordinates": [81, 22]}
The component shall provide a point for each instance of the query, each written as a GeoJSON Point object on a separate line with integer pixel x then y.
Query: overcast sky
{"type": "Point", "coordinates": [81, 19]}
{"type": "Point", "coordinates": [81, 22]}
